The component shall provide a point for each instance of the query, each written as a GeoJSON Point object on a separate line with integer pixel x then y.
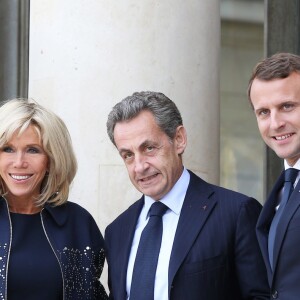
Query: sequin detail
{"type": "Point", "coordinates": [81, 271]}
{"type": "Point", "coordinates": [3, 259]}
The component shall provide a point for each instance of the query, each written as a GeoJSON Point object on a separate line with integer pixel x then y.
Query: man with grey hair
{"type": "Point", "coordinates": [185, 238]}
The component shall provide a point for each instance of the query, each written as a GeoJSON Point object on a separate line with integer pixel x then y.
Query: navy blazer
{"type": "Point", "coordinates": [285, 278]}
{"type": "Point", "coordinates": [215, 255]}
{"type": "Point", "coordinates": [76, 242]}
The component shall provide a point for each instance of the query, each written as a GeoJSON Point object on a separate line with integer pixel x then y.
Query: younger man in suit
{"type": "Point", "coordinates": [274, 92]}
{"type": "Point", "coordinates": [207, 248]}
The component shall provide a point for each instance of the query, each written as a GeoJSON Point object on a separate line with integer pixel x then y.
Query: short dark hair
{"type": "Point", "coordinates": [279, 65]}
{"type": "Point", "coordinates": [164, 110]}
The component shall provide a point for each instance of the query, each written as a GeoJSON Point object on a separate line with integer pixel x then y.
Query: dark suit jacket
{"type": "Point", "coordinates": [215, 255]}
{"type": "Point", "coordinates": [285, 278]}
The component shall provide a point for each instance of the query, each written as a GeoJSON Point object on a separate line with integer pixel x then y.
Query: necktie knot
{"type": "Point", "coordinates": [290, 175]}
{"type": "Point", "coordinates": [157, 209]}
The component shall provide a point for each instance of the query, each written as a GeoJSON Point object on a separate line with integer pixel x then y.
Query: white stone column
{"type": "Point", "coordinates": [87, 55]}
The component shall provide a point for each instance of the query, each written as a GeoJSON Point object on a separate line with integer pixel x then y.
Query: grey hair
{"type": "Point", "coordinates": [16, 116]}
{"type": "Point", "coordinates": [164, 110]}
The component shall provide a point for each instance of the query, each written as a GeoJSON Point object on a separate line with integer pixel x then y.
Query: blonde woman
{"type": "Point", "coordinates": [50, 248]}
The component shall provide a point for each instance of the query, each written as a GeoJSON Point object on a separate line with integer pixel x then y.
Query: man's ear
{"type": "Point", "coordinates": [180, 139]}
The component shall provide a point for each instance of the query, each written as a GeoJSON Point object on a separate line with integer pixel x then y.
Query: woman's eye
{"type": "Point", "coordinates": [288, 106]}
{"type": "Point", "coordinates": [33, 150]}
{"type": "Point", "coordinates": [7, 149]}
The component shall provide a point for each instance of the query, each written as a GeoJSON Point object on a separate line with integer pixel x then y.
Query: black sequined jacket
{"type": "Point", "coordinates": [76, 242]}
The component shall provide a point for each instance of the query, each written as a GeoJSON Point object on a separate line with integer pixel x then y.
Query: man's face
{"type": "Point", "coordinates": [277, 108]}
{"type": "Point", "coordinates": [153, 161]}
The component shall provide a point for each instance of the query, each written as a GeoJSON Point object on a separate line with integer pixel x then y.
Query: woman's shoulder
{"type": "Point", "coordinates": [68, 210]}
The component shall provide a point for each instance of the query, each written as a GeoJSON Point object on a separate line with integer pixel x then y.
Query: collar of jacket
{"type": "Point", "coordinates": [58, 213]}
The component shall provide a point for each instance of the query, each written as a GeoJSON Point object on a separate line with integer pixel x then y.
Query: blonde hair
{"type": "Point", "coordinates": [17, 115]}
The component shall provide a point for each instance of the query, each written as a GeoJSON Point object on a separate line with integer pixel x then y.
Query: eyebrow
{"type": "Point", "coordinates": [10, 144]}
{"type": "Point", "coordinates": [260, 109]}
{"type": "Point", "coordinates": [141, 146]}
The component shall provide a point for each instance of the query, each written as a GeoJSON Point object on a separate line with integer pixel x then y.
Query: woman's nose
{"type": "Point", "coordinates": [20, 161]}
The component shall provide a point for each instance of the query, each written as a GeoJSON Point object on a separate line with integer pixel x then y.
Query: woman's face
{"type": "Point", "coordinates": [23, 165]}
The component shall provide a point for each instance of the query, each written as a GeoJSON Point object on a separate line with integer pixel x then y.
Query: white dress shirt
{"type": "Point", "coordinates": [174, 200]}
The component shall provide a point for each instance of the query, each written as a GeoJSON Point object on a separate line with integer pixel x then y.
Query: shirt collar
{"type": "Point", "coordinates": [175, 197]}
{"type": "Point", "coordinates": [295, 166]}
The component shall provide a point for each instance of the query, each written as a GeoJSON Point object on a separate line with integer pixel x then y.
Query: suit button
{"type": "Point", "coordinates": [275, 295]}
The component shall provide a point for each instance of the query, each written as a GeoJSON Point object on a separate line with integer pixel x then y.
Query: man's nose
{"type": "Point", "coordinates": [276, 120]}
{"type": "Point", "coordinates": [140, 163]}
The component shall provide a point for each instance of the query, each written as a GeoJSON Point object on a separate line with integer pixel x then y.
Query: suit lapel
{"type": "Point", "coordinates": [264, 222]}
{"type": "Point", "coordinates": [127, 229]}
{"type": "Point", "coordinates": [195, 210]}
{"type": "Point", "coordinates": [290, 208]}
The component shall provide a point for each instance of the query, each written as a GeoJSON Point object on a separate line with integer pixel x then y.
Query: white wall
{"type": "Point", "coordinates": [87, 55]}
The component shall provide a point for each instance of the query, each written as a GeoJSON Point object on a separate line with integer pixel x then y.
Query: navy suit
{"type": "Point", "coordinates": [285, 278]}
{"type": "Point", "coordinates": [215, 255]}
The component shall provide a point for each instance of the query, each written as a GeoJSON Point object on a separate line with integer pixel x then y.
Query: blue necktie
{"type": "Point", "coordinates": [143, 276]}
{"type": "Point", "coordinates": [290, 176]}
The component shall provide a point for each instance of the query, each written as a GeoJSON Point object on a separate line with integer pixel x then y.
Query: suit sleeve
{"type": "Point", "coordinates": [252, 274]}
